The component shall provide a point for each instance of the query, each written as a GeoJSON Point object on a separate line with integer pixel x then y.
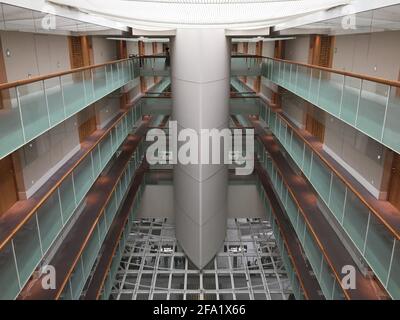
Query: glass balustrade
{"type": "Point", "coordinates": [246, 66]}
{"type": "Point", "coordinates": [116, 259]}
{"type": "Point", "coordinates": [30, 108]}
{"type": "Point", "coordinates": [153, 66]}
{"type": "Point", "coordinates": [83, 267]}
{"type": "Point", "coordinates": [31, 242]}
{"type": "Point", "coordinates": [156, 105]}
{"type": "Point", "coordinates": [372, 238]}
{"type": "Point", "coordinates": [244, 105]}
{"type": "Point", "coordinates": [328, 282]}
{"type": "Point", "coordinates": [370, 105]}
{"type": "Point", "coordinates": [289, 267]}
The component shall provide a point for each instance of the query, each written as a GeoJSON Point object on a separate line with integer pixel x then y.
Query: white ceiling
{"type": "Point", "coordinates": [383, 19]}
{"type": "Point", "coordinates": [200, 13]}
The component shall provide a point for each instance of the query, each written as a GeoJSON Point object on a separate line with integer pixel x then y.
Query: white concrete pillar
{"type": "Point", "coordinates": [200, 76]}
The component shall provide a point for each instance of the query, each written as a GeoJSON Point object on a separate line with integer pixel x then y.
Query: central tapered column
{"type": "Point", "coordinates": [200, 71]}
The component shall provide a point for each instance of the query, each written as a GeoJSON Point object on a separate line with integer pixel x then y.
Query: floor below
{"type": "Point", "coordinates": [248, 266]}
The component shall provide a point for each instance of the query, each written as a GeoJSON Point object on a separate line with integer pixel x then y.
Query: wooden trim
{"type": "Point", "coordinates": [56, 74]}
{"type": "Point", "coordinates": [307, 282]}
{"type": "Point", "coordinates": [329, 244]}
{"type": "Point", "coordinates": [7, 236]}
{"type": "Point", "coordinates": [345, 73]}
{"type": "Point", "coordinates": [113, 238]}
{"type": "Point", "coordinates": [102, 192]}
{"type": "Point", "coordinates": [122, 49]}
{"type": "Point", "coordinates": [372, 208]}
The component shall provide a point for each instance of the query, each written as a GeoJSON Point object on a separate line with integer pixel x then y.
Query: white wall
{"type": "Point", "coordinates": [298, 49]}
{"type": "Point", "coordinates": [33, 54]}
{"type": "Point", "coordinates": [42, 157]}
{"type": "Point", "coordinates": [294, 108]}
{"type": "Point", "coordinates": [376, 54]}
{"type": "Point", "coordinates": [103, 50]}
{"type": "Point", "coordinates": [132, 47]}
{"type": "Point", "coordinates": [268, 49]}
{"type": "Point", "coordinates": [362, 156]}
{"type": "Point", "coordinates": [106, 109]}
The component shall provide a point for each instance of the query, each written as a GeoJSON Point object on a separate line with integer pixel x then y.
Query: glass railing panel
{"type": "Point", "coordinates": [109, 76]}
{"type": "Point", "coordinates": [369, 106]}
{"type": "Point", "coordinates": [285, 77]}
{"type": "Point", "coordinates": [50, 221]}
{"type": "Point", "coordinates": [90, 253]}
{"type": "Point", "coordinates": [54, 100]}
{"type": "Point", "coordinates": [315, 79]}
{"type": "Point", "coordinates": [27, 249]}
{"type": "Point", "coordinates": [83, 178]}
{"type": "Point", "coordinates": [303, 81]}
{"type": "Point", "coordinates": [320, 178]}
{"type": "Point", "coordinates": [293, 76]}
{"type": "Point", "coordinates": [93, 247]}
{"type": "Point", "coordinates": [35, 116]}
{"type": "Point", "coordinates": [76, 280]}
{"type": "Point", "coordinates": [99, 82]}
{"type": "Point", "coordinates": [350, 100]}
{"type": "Point", "coordinates": [371, 111]}
{"type": "Point", "coordinates": [307, 162]}
{"type": "Point", "coordinates": [378, 249]}
{"type": "Point", "coordinates": [67, 198]}
{"type": "Point", "coordinates": [106, 149]}
{"type": "Point", "coordinates": [97, 165]}
{"type": "Point", "coordinates": [337, 292]}
{"type": "Point", "coordinates": [111, 208]}
{"type": "Point", "coordinates": [297, 150]}
{"type": "Point", "coordinates": [330, 91]}
{"type": "Point", "coordinates": [393, 283]}
{"type": "Point", "coordinates": [313, 253]}
{"type": "Point", "coordinates": [337, 198]}
{"type": "Point", "coordinates": [291, 209]}
{"type": "Point", "coordinates": [391, 131]}
{"type": "Point", "coordinates": [326, 281]}
{"type": "Point", "coordinates": [11, 130]}
{"type": "Point", "coordinates": [103, 227]}
{"type": "Point", "coordinates": [75, 93]}
{"type": "Point", "coordinates": [355, 220]}
{"type": "Point", "coordinates": [9, 283]}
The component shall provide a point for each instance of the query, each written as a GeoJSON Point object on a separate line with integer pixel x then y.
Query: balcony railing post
{"type": "Point", "coordinates": [47, 102]}
{"type": "Point", "coordinates": [16, 264]}
{"type": "Point", "coordinates": [359, 101]}
{"type": "Point", "coordinates": [386, 111]}
{"type": "Point", "coordinates": [92, 82]}
{"type": "Point", "coordinates": [391, 263]}
{"type": "Point", "coordinates": [20, 112]}
{"type": "Point", "coordinates": [342, 96]}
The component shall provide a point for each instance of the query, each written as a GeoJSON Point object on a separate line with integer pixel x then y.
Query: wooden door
{"type": "Point", "coordinates": [4, 95]}
{"type": "Point", "coordinates": [122, 49]}
{"type": "Point", "coordinates": [321, 50]}
{"type": "Point", "coordinates": [394, 185]}
{"type": "Point", "coordinates": [234, 48]}
{"type": "Point", "coordinates": [80, 51]}
{"type": "Point", "coordinates": [315, 123]}
{"type": "Point", "coordinates": [87, 122]}
{"type": "Point", "coordinates": [8, 186]}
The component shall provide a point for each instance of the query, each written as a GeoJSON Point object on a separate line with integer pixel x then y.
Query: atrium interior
{"type": "Point", "coordinates": [200, 150]}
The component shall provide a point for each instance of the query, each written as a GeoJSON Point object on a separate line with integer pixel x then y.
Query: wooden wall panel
{"type": "Point", "coordinates": [8, 186]}
{"type": "Point", "coordinates": [394, 185]}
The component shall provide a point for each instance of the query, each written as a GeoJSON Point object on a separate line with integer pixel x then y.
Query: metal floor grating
{"type": "Point", "coordinates": [248, 265]}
